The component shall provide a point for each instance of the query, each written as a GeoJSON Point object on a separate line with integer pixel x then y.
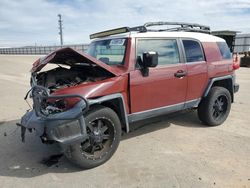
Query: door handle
{"type": "Point", "coordinates": [180, 74]}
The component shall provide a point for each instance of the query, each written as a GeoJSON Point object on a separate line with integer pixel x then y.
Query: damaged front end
{"type": "Point", "coordinates": [59, 102]}
{"type": "Point", "coordinates": [53, 124]}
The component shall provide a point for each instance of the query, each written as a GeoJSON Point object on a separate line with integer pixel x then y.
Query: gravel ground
{"type": "Point", "coordinates": [170, 151]}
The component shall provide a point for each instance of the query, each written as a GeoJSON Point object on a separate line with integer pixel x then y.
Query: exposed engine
{"type": "Point", "coordinates": [62, 77]}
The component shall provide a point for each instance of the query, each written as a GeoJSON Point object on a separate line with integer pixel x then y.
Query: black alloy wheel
{"type": "Point", "coordinates": [104, 134]}
{"type": "Point", "coordinates": [220, 107]}
{"type": "Point", "coordinates": [101, 133]}
{"type": "Point", "coordinates": [215, 107]}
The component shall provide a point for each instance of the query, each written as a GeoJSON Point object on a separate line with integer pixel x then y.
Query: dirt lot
{"type": "Point", "coordinates": [171, 151]}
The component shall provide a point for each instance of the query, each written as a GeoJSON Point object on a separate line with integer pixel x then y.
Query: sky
{"type": "Point", "coordinates": [35, 22]}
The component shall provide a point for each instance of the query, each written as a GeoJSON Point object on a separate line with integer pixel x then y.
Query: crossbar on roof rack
{"type": "Point", "coordinates": [183, 26]}
{"type": "Point", "coordinates": [149, 24]}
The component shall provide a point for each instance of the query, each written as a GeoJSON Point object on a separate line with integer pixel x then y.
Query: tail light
{"type": "Point", "coordinates": [236, 61]}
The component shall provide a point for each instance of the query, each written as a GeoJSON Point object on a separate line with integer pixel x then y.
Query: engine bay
{"type": "Point", "coordinates": [62, 77]}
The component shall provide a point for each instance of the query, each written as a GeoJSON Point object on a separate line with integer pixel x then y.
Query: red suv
{"type": "Point", "coordinates": [127, 75]}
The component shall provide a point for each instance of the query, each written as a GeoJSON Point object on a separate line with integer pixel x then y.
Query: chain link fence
{"type": "Point", "coordinates": [35, 50]}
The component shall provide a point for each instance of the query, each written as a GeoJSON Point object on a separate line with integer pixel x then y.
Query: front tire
{"type": "Point", "coordinates": [104, 131]}
{"type": "Point", "coordinates": [214, 109]}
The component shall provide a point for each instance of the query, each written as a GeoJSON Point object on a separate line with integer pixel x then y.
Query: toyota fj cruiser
{"type": "Point", "coordinates": [127, 75]}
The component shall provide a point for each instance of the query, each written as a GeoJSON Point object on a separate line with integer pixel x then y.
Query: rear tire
{"type": "Point", "coordinates": [104, 131]}
{"type": "Point", "coordinates": [214, 109]}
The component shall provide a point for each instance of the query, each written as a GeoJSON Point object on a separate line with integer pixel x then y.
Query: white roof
{"type": "Point", "coordinates": [193, 35]}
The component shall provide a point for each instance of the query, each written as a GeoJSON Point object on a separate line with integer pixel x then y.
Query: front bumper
{"type": "Point", "coordinates": [64, 127]}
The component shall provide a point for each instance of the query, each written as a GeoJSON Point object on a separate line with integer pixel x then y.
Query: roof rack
{"type": "Point", "coordinates": [181, 26]}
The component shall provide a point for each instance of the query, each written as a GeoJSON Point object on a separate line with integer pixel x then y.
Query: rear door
{"type": "Point", "coordinates": [163, 86]}
{"type": "Point", "coordinates": [196, 68]}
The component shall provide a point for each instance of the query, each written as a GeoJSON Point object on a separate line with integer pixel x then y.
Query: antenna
{"type": "Point", "coordinates": [60, 28]}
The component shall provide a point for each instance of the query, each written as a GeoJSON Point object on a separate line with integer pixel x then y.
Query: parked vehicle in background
{"type": "Point", "coordinates": [128, 75]}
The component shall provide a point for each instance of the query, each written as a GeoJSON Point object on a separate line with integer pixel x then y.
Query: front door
{"type": "Point", "coordinates": [166, 84]}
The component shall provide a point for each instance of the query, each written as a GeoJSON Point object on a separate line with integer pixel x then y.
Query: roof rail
{"type": "Point", "coordinates": [182, 26]}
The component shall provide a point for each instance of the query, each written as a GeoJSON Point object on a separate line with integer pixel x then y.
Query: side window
{"type": "Point", "coordinates": [167, 50]}
{"type": "Point", "coordinates": [193, 51]}
{"type": "Point", "coordinates": [224, 50]}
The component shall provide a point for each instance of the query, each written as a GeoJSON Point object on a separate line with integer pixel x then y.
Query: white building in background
{"type": "Point", "coordinates": [242, 43]}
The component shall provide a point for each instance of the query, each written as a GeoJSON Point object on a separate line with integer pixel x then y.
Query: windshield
{"type": "Point", "coordinates": [110, 51]}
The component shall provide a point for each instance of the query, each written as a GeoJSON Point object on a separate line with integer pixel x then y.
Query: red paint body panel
{"type": "Point", "coordinates": [216, 65]}
{"type": "Point", "coordinates": [160, 88]}
{"type": "Point", "coordinates": [220, 68]}
{"type": "Point", "coordinates": [211, 51]}
{"type": "Point", "coordinates": [131, 50]}
{"type": "Point", "coordinates": [197, 79]}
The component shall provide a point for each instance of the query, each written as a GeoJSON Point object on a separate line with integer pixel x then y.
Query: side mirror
{"type": "Point", "coordinates": [149, 59]}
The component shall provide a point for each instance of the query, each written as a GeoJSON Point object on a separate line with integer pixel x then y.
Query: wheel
{"type": "Point", "coordinates": [214, 109]}
{"type": "Point", "coordinates": [104, 131]}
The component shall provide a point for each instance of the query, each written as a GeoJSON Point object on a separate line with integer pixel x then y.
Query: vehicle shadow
{"type": "Point", "coordinates": [33, 158]}
{"type": "Point", "coordinates": [29, 159]}
{"type": "Point", "coordinates": [186, 118]}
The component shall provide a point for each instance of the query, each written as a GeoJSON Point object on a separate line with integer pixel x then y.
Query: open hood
{"type": "Point", "coordinates": [70, 56]}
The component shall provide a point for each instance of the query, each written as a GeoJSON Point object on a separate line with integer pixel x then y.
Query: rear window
{"type": "Point", "coordinates": [224, 50]}
{"type": "Point", "coordinates": [193, 51]}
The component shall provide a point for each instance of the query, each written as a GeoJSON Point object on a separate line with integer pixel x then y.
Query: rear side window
{"type": "Point", "coordinates": [167, 50]}
{"type": "Point", "coordinates": [224, 50]}
{"type": "Point", "coordinates": [193, 51]}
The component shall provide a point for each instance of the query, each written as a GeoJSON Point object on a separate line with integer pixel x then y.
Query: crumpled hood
{"type": "Point", "coordinates": [70, 56]}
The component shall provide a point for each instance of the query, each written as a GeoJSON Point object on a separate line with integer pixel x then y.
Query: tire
{"type": "Point", "coordinates": [104, 139]}
{"type": "Point", "coordinates": [214, 109]}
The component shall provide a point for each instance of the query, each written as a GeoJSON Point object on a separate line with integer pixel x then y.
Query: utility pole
{"type": "Point", "coordinates": [60, 28]}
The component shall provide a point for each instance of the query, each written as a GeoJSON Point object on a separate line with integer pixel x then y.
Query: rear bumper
{"type": "Point", "coordinates": [236, 87]}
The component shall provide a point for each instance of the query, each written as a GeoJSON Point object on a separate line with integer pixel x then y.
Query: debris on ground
{"type": "Point", "coordinates": [52, 160]}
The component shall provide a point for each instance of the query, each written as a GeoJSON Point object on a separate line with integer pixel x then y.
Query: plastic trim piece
{"type": "Point", "coordinates": [217, 79]}
{"type": "Point", "coordinates": [111, 97]}
{"type": "Point", "coordinates": [162, 110]}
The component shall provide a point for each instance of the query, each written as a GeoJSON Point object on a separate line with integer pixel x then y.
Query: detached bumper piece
{"type": "Point", "coordinates": [64, 127]}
